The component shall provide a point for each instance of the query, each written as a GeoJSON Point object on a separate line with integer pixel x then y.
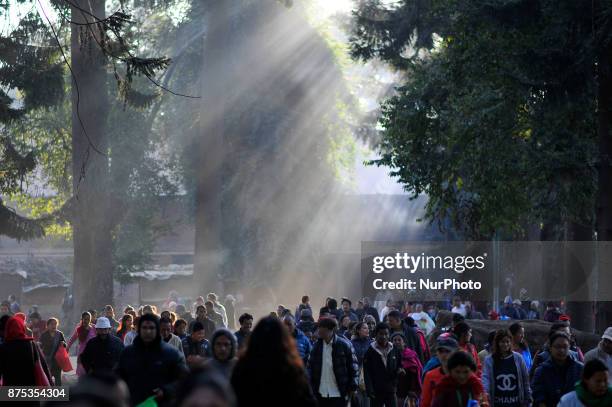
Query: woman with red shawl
{"type": "Point", "coordinates": [19, 354]}
{"type": "Point", "coordinates": [83, 332]}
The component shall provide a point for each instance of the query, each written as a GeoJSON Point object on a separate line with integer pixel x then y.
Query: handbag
{"type": "Point", "coordinates": [63, 359]}
{"type": "Point", "coordinates": [40, 377]}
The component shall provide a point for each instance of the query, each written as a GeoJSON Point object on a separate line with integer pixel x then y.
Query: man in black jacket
{"type": "Point", "coordinates": [333, 368]}
{"type": "Point", "coordinates": [149, 366]}
{"type": "Point", "coordinates": [202, 316]}
{"type": "Point", "coordinates": [381, 367]}
{"type": "Point", "coordinates": [101, 354]}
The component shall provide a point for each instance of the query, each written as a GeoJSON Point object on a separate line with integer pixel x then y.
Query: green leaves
{"type": "Point", "coordinates": [495, 123]}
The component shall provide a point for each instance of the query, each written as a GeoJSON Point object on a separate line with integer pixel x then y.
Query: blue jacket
{"type": "Point", "coordinates": [488, 378]}
{"type": "Point", "coordinates": [346, 370]}
{"type": "Point", "coordinates": [548, 386]}
{"type": "Point", "coordinates": [361, 347]}
{"type": "Point", "coordinates": [304, 346]}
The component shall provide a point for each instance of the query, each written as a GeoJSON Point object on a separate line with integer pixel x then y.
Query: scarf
{"type": "Point", "coordinates": [82, 332]}
{"type": "Point", "coordinates": [15, 330]}
{"type": "Point", "coordinates": [590, 400]}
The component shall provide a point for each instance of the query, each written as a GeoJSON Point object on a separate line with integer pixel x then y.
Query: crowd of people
{"type": "Point", "coordinates": [200, 354]}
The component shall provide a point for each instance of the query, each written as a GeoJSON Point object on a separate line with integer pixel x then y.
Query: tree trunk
{"type": "Point", "coordinates": [604, 200]}
{"type": "Point", "coordinates": [93, 268]}
{"type": "Point", "coordinates": [209, 251]}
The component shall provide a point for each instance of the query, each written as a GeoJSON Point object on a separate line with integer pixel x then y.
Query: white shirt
{"type": "Point", "coordinates": [328, 386]}
{"type": "Point", "coordinates": [129, 338]}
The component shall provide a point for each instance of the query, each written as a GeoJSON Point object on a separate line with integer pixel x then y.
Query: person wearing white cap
{"type": "Point", "coordinates": [603, 351]}
{"type": "Point", "coordinates": [101, 353]}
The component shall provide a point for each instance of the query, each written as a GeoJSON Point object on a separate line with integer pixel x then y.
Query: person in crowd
{"type": "Point", "coordinates": [218, 308]}
{"type": "Point", "coordinates": [280, 310]}
{"type": "Point", "coordinates": [5, 308]}
{"type": "Point", "coordinates": [271, 357]}
{"type": "Point", "coordinates": [534, 310]}
{"type": "Point", "coordinates": [165, 330]}
{"type": "Point", "coordinates": [14, 305]}
{"type": "Point", "coordinates": [556, 376]}
{"type": "Point", "coordinates": [461, 384]}
{"type": "Point", "coordinates": [488, 348]}
{"type": "Point", "coordinates": [230, 310]}
{"type": "Point", "coordinates": [361, 341]}
{"type": "Point", "coordinates": [306, 322]}
{"type": "Point", "coordinates": [101, 354]}
{"type": "Point", "coordinates": [346, 305]}
{"type": "Point", "coordinates": [444, 348]}
{"type": "Point", "coordinates": [458, 306]}
{"type": "Point", "coordinates": [593, 390]}
{"type": "Point", "coordinates": [180, 328]}
{"type": "Point", "coordinates": [125, 326]}
{"type": "Point", "coordinates": [471, 313]}
{"type": "Point", "coordinates": [149, 366]}
{"type": "Point", "coordinates": [519, 344]}
{"type": "Point", "coordinates": [19, 355]}
{"type": "Point", "coordinates": [166, 314]}
{"type": "Point", "coordinates": [304, 346]}
{"type": "Point", "coordinates": [359, 311]}
{"type": "Point", "coordinates": [409, 381]}
{"type": "Point", "coordinates": [173, 297]}
{"type": "Point", "coordinates": [493, 315]}
{"type": "Point", "coordinates": [332, 304]}
{"type": "Point", "coordinates": [463, 334]}
{"type": "Point", "coordinates": [382, 366]}
{"type": "Point", "coordinates": [505, 376]}
{"type": "Point", "coordinates": [406, 309]}
{"type": "Point", "coordinates": [422, 319]}
{"type": "Point", "coordinates": [199, 301]}
{"type": "Point", "coordinates": [603, 351]}
{"type": "Point", "coordinates": [3, 319]}
{"type": "Point", "coordinates": [109, 313]}
{"type": "Point", "coordinates": [50, 341]}
{"type": "Point", "coordinates": [213, 315]}
{"type": "Point", "coordinates": [84, 332]}
{"type": "Point", "coordinates": [371, 322]}
{"type": "Point", "coordinates": [182, 313]}
{"type": "Point", "coordinates": [432, 311]}
{"type": "Point", "coordinates": [508, 310]}
{"type": "Point", "coordinates": [304, 304]}
{"type": "Point", "coordinates": [368, 309]}
{"type": "Point", "coordinates": [410, 333]}
{"type": "Point", "coordinates": [389, 306]}
{"type": "Point", "coordinates": [334, 372]}
{"type": "Point", "coordinates": [128, 339]}
{"type": "Point", "coordinates": [94, 315]}
{"type": "Point", "coordinates": [98, 390]}
{"type": "Point", "coordinates": [552, 312]}
{"type": "Point", "coordinates": [246, 325]}
{"type": "Point", "coordinates": [345, 327]}
{"type": "Point", "coordinates": [518, 306]}
{"type": "Point", "coordinates": [202, 316]}
{"type": "Point", "coordinates": [206, 388]}
{"type": "Point", "coordinates": [36, 325]}
{"type": "Point", "coordinates": [195, 346]}
{"type": "Point", "coordinates": [544, 354]}
{"type": "Point", "coordinates": [223, 352]}
{"type": "Point", "coordinates": [409, 321]}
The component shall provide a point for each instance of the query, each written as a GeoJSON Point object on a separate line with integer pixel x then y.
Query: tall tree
{"type": "Point", "coordinates": [524, 85]}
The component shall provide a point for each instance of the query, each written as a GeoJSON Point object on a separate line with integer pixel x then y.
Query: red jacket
{"type": "Point", "coordinates": [448, 393]}
{"type": "Point", "coordinates": [432, 379]}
